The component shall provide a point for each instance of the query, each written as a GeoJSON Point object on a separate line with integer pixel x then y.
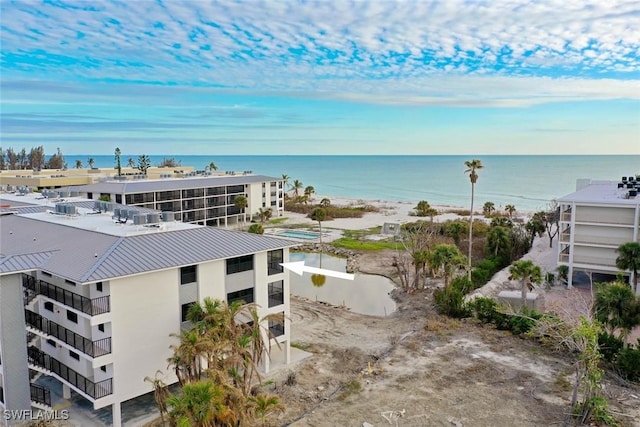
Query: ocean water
{"type": "Point", "coordinates": [528, 182]}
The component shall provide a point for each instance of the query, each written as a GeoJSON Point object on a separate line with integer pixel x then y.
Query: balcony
{"type": "Point", "coordinates": [600, 240]}
{"type": "Point", "coordinates": [95, 390]}
{"type": "Point", "coordinates": [47, 327]}
{"type": "Point", "coordinates": [597, 261]}
{"type": "Point", "coordinates": [88, 306]}
{"type": "Point", "coordinates": [40, 395]}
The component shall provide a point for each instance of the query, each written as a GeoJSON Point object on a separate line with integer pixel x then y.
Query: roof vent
{"type": "Point", "coordinates": [140, 219]}
{"type": "Point", "coordinates": [153, 218]}
{"type": "Point", "coordinates": [168, 216]}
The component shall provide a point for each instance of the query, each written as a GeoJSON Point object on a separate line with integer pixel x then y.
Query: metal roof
{"type": "Point", "coordinates": [28, 208]}
{"type": "Point", "coordinates": [169, 184]}
{"type": "Point", "coordinates": [83, 255]}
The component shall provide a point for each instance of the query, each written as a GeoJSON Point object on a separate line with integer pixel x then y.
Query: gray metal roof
{"type": "Point", "coordinates": [144, 186]}
{"type": "Point", "coordinates": [83, 255]}
{"type": "Point", "coordinates": [28, 208]}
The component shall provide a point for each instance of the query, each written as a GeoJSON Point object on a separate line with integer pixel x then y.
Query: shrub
{"type": "Point", "coordinates": [628, 363]}
{"type": "Point", "coordinates": [609, 346]}
{"type": "Point", "coordinates": [485, 309]}
{"type": "Point", "coordinates": [450, 301]}
{"type": "Point", "coordinates": [463, 284]}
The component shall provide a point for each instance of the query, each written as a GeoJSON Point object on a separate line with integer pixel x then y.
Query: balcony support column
{"type": "Point", "coordinates": [66, 391]}
{"type": "Point", "coordinates": [116, 414]}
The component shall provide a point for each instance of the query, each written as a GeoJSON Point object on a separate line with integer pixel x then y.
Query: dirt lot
{"type": "Point", "coordinates": [416, 368]}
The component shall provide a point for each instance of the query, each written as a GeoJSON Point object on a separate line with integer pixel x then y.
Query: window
{"type": "Point", "coordinates": [99, 286]}
{"type": "Point", "coordinates": [185, 310]}
{"type": "Point", "coordinates": [69, 282]}
{"type": "Point", "coordinates": [276, 293]}
{"type": "Point", "coordinates": [74, 355]}
{"type": "Point", "coordinates": [188, 274]}
{"type": "Point", "coordinates": [274, 258]}
{"type": "Point", "coordinates": [71, 316]}
{"type": "Point", "coordinates": [52, 343]}
{"type": "Point", "coordinates": [103, 368]}
{"type": "Point", "coordinates": [119, 199]}
{"type": "Point", "coordinates": [48, 306]}
{"type": "Point", "coordinates": [239, 264]}
{"type": "Point", "coordinates": [276, 327]}
{"type": "Point", "coordinates": [245, 295]}
{"type": "Point", "coordinates": [101, 327]}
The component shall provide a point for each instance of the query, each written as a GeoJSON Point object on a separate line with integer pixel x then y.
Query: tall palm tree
{"type": "Point", "coordinates": [629, 259]}
{"type": "Point", "coordinates": [241, 203]}
{"type": "Point", "coordinates": [510, 209]}
{"type": "Point", "coordinates": [160, 393]}
{"type": "Point", "coordinates": [527, 273]}
{"type": "Point", "coordinates": [319, 214]}
{"type": "Point", "coordinates": [472, 166]}
{"type": "Point", "coordinates": [131, 163]}
{"type": "Point", "coordinates": [91, 162]}
{"type": "Point", "coordinates": [78, 164]}
{"type": "Point", "coordinates": [118, 154]}
{"type": "Point", "coordinates": [296, 187]}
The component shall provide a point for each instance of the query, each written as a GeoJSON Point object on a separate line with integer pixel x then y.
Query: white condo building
{"type": "Point", "coordinates": [91, 301]}
{"type": "Point", "coordinates": [594, 221]}
{"type": "Point", "coordinates": [197, 199]}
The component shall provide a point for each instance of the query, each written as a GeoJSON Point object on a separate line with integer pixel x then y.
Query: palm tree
{"type": "Point", "coordinates": [202, 404]}
{"type": "Point", "coordinates": [325, 203]}
{"type": "Point", "coordinates": [629, 259]}
{"type": "Point", "coordinates": [309, 191]}
{"type": "Point", "coordinates": [211, 167]}
{"type": "Point", "coordinates": [472, 166]}
{"type": "Point", "coordinates": [117, 155]}
{"type": "Point", "coordinates": [319, 214]}
{"type": "Point", "coordinates": [527, 273]}
{"type": "Point", "coordinates": [78, 164]}
{"type": "Point", "coordinates": [617, 308]}
{"type": "Point", "coordinates": [296, 187]}
{"type": "Point", "coordinates": [91, 162]}
{"type": "Point", "coordinates": [241, 203]}
{"type": "Point", "coordinates": [264, 405]}
{"type": "Point", "coordinates": [265, 214]}
{"type": "Point", "coordinates": [488, 209]}
{"type": "Point", "coordinates": [456, 229]}
{"type": "Point", "coordinates": [160, 393]}
{"type": "Point", "coordinates": [447, 258]}
{"type": "Point", "coordinates": [420, 260]}
{"type": "Point", "coordinates": [498, 240]}
{"type": "Point", "coordinates": [131, 163]}
{"type": "Point", "coordinates": [510, 209]}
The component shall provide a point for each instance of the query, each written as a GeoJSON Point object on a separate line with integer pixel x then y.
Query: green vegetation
{"type": "Point", "coordinates": [217, 363]}
{"type": "Point", "coordinates": [366, 245]}
{"type": "Point", "coordinates": [629, 259]}
{"type": "Point", "coordinates": [350, 388]}
{"type": "Point", "coordinates": [256, 229]}
{"type": "Point", "coordinates": [276, 221]}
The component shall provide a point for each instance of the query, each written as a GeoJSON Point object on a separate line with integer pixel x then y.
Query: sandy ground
{"type": "Point", "coordinates": [416, 368]}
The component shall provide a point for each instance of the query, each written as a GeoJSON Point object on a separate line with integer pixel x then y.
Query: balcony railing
{"type": "Point", "coordinates": [276, 329]}
{"type": "Point", "coordinates": [276, 298]}
{"type": "Point", "coordinates": [40, 395]}
{"type": "Point", "coordinates": [274, 267]}
{"type": "Point", "coordinates": [85, 385]}
{"type": "Point", "coordinates": [601, 240]}
{"type": "Point", "coordinates": [91, 348]}
{"type": "Point", "coordinates": [89, 306]}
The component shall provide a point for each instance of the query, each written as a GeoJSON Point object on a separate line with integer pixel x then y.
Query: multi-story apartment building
{"type": "Point", "coordinates": [206, 200]}
{"type": "Point", "coordinates": [594, 221]}
{"type": "Point", "coordinates": [92, 301]}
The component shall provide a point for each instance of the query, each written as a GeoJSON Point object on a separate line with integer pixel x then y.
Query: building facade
{"type": "Point", "coordinates": [97, 299]}
{"type": "Point", "coordinates": [205, 200]}
{"type": "Point", "coordinates": [594, 221]}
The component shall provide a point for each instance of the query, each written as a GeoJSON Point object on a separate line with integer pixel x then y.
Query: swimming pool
{"type": "Point", "coordinates": [298, 234]}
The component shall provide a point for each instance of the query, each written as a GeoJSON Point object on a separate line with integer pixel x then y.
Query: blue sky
{"type": "Point", "coordinates": [322, 77]}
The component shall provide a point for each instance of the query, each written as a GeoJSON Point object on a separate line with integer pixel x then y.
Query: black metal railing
{"type": "Point", "coordinates": [85, 385]}
{"type": "Point", "coordinates": [276, 329]}
{"type": "Point", "coordinates": [89, 306]}
{"type": "Point", "coordinates": [276, 298]}
{"type": "Point", "coordinates": [40, 395]}
{"type": "Point", "coordinates": [77, 341]}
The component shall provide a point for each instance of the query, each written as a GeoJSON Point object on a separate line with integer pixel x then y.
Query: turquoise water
{"type": "Point", "coordinates": [309, 235]}
{"type": "Point", "coordinates": [528, 182]}
{"type": "Point", "coordinates": [366, 294]}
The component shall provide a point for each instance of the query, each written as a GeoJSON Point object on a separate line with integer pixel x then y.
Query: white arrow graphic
{"type": "Point", "coordinates": [298, 267]}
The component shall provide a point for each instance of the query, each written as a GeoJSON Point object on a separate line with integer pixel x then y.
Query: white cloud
{"type": "Point", "coordinates": [249, 45]}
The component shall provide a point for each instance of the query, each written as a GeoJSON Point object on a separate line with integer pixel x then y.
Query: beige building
{"type": "Point", "coordinates": [594, 221]}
